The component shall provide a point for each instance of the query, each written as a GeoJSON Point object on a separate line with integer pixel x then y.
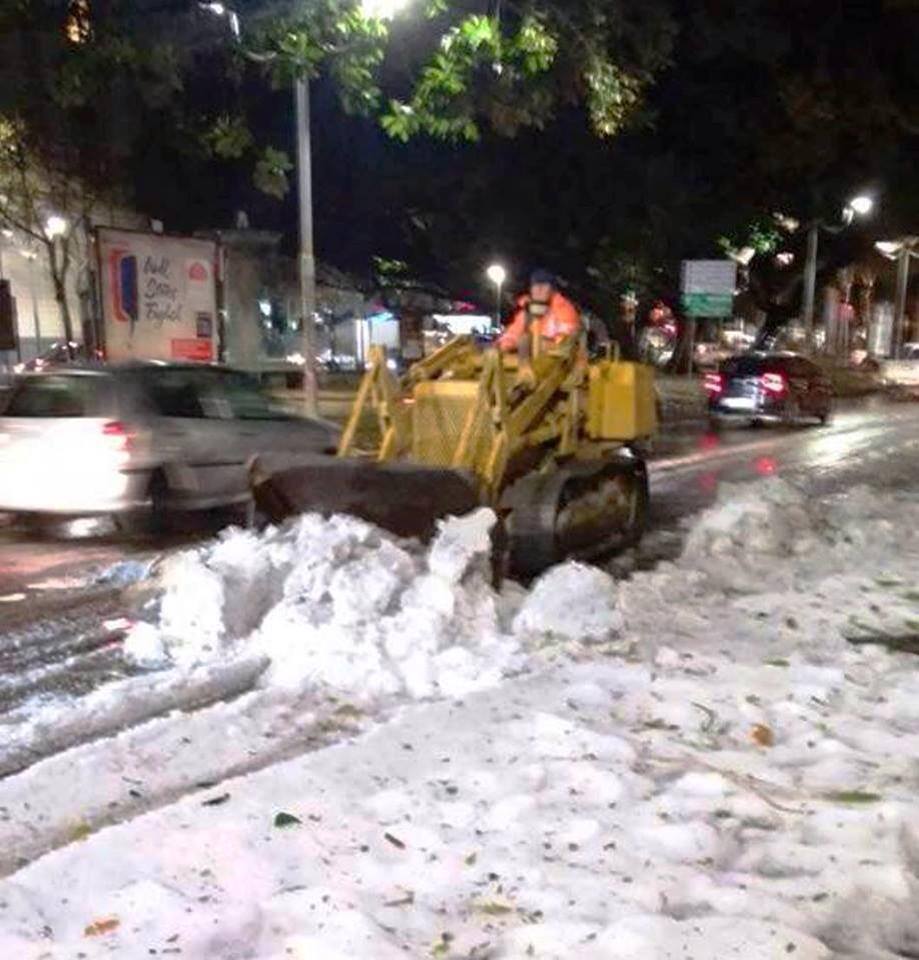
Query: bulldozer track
{"type": "Point", "coordinates": [535, 502]}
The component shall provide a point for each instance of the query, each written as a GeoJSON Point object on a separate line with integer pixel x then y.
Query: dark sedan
{"type": "Point", "coordinates": [773, 387]}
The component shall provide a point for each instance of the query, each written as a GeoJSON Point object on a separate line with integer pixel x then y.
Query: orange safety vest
{"type": "Point", "coordinates": [560, 321]}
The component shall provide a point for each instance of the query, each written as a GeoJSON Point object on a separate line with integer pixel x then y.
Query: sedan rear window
{"type": "Point", "coordinates": [175, 393]}
{"type": "Point", "coordinates": [58, 396]}
{"type": "Point", "coordinates": [246, 399]}
{"type": "Point", "coordinates": [208, 394]}
{"type": "Point", "coordinates": [752, 366]}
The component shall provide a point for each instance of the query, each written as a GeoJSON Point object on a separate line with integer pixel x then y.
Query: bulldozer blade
{"type": "Point", "coordinates": [405, 499]}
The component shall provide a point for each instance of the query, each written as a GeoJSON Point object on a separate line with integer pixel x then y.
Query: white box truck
{"type": "Point", "coordinates": [158, 296]}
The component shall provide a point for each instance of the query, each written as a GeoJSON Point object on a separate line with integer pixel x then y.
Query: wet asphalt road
{"type": "Point", "coordinates": [60, 630]}
{"type": "Point", "coordinates": [871, 442]}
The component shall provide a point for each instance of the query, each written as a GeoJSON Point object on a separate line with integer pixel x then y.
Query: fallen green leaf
{"type": "Point", "coordinates": [80, 832]}
{"type": "Point", "coordinates": [284, 820]}
{"type": "Point", "coordinates": [493, 908]}
{"type": "Point", "coordinates": [853, 796]}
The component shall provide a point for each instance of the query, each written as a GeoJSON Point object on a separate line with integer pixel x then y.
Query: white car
{"type": "Point", "coordinates": [144, 438]}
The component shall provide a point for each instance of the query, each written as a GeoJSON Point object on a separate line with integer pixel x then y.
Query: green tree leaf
{"type": "Point", "coordinates": [271, 172]}
{"type": "Point", "coordinates": [284, 821]}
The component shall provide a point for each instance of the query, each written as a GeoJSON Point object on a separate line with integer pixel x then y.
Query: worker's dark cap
{"type": "Point", "coordinates": [543, 276]}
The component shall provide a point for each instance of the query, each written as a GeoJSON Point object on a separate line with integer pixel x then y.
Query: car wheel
{"type": "Point", "coordinates": [158, 492]}
{"type": "Point", "coordinates": [792, 412]}
{"type": "Point", "coordinates": [155, 518]}
{"type": "Point", "coordinates": [35, 524]}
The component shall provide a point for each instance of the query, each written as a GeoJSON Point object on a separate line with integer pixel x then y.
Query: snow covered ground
{"type": "Point", "coordinates": [713, 759]}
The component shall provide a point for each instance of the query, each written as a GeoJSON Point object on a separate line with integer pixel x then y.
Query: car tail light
{"type": "Point", "coordinates": [122, 437]}
{"type": "Point", "coordinates": [774, 383]}
{"type": "Point", "coordinates": [713, 384]}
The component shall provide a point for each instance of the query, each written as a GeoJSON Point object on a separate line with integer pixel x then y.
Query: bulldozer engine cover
{"type": "Point", "coordinates": [403, 498]}
{"type": "Point", "coordinates": [621, 403]}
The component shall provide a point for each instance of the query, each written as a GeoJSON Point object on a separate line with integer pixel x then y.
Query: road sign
{"type": "Point", "coordinates": [708, 287]}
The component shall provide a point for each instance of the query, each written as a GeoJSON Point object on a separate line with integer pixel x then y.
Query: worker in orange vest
{"type": "Point", "coordinates": [544, 311]}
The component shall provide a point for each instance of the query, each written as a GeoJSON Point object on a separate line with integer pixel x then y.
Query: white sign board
{"type": "Point", "coordinates": [159, 296]}
{"type": "Point", "coordinates": [709, 276]}
{"type": "Point", "coordinates": [708, 287]}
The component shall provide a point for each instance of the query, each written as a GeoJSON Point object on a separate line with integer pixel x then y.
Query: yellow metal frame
{"type": "Point", "coordinates": [380, 390]}
{"type": "Point", "coordinates": [506, 418]}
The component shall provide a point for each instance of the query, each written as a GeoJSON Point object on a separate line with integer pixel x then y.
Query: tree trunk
{"type": "Point", "coordinates": [60, 295]}
{"type": "Point", "coordinates": [59, 264]}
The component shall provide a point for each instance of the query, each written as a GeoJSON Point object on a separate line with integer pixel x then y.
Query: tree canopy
{"type": "Point", "coordinates": [608, 138]}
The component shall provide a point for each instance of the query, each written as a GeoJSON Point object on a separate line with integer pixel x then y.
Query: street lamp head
{"type": "Point", "coordinates": [382, 9]}
{"type": "Point", "coordinates": [222, 10]}
{"type": "Point", "coordinates": [743, 256]}
{"type": "Point", "coordinates": [888, 248]}
{"type": "Point", "coordinates": [497, 274]}
{"type": "Point", "coordinates": [861, 205]}
{"type": "Point", "coordinates": [55, 226]}
{"type": "Point", "coordinates": [787, 223]}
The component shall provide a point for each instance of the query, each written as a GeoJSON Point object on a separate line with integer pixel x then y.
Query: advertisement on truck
{"type": "Point", "coordinates": [158, 295]}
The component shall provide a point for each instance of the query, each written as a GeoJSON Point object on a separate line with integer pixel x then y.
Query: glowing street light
{"type": "Point", "coordinates": [498, 276]}
{"type": "Point", "coordinates": [383, 9]}
{"type": "Point", "coordinates": [222, 10]}
{"type": "Point", "coordinates": [55, 226]}
{"type": "Point", "coordinates": [861, 206]}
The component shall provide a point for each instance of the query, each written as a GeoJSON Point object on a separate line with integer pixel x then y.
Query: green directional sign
{"type": "Point", "coordinates": [708, 304]}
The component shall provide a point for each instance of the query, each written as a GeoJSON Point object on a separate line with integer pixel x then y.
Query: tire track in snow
{"type": "Point", "coordinates": [121, 706]}
{"type": "Point", "coordinates": [71, 795]}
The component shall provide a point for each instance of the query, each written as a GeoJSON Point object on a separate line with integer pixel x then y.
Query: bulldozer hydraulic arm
{"type": "Point", "coordinates": [380, 391]}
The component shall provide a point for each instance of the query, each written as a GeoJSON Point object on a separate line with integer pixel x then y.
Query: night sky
{"type": "Point", "coordinates": [766, 106]}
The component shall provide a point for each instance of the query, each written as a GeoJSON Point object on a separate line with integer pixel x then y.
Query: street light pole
{"type": "Point", "coordinates": [902, 251]}
{"type": "Point", "coordinates": [307, 251]}
{"type": "Point", "coordinates": [31, 257]}
{"type": "Point", "coordinates": [810, 285]}
{"type": "Point", "coordinates": [379, 9]}
{"type": "Point", "coordinates": [307, 257]}
{"type": "Point", "coordinates": [900, 307]}
{"type": "Point", "coordinates": [860, 206]}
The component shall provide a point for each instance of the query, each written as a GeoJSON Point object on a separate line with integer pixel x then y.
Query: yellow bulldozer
{"type": "Point", "coordinates": [555, 452]}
